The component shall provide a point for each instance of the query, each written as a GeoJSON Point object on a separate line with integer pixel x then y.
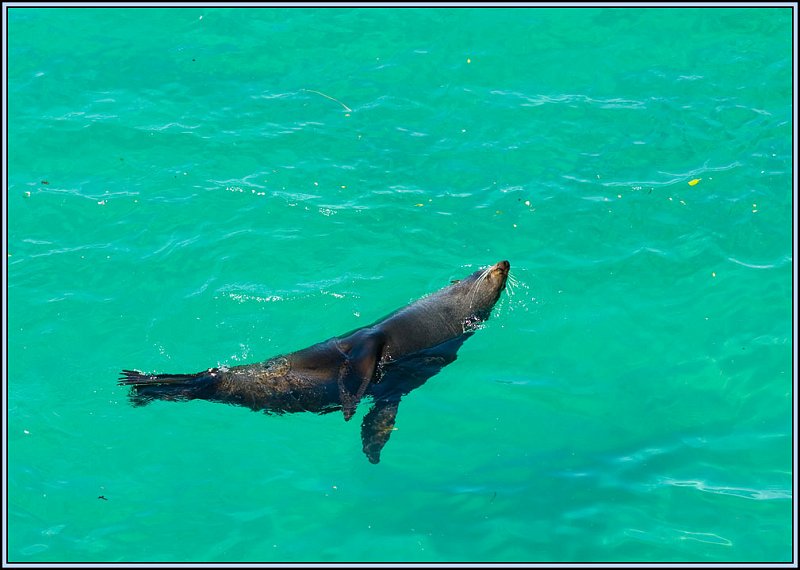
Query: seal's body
{"type": "Point", "coordinates": [384, 360]}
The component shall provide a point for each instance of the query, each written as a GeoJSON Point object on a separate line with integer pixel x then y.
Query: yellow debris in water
{"type": "Point", "coordinates": [419, 205]}
{"type": "Point", "coordinates": [695, 181]}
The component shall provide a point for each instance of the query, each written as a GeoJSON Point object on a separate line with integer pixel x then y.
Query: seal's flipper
{"type": "Point", "coordinates": [376, 428]}
{"type": "Point", "coordinates": [358, 369]}
{"type": "Point", "coordinates": [148, 387]}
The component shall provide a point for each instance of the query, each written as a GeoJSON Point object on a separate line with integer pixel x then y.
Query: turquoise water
{"type": "Point", "coordinates": [195, 187]}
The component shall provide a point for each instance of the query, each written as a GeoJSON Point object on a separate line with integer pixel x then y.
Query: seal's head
{"type": "Point", "coordinates": [481, 290]}
{"type": "Point", "coordinates": [444, 315]}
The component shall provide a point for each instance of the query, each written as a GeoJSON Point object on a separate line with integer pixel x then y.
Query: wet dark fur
{"type": "Point", "coordinates": [384, 360]}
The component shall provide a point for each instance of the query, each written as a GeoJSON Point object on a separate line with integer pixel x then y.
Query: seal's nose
{"type": "Point", "coordinates": [504, 265]}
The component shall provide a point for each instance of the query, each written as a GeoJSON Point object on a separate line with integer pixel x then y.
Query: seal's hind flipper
{"type": "Point", "coordinates": [358, 369]}
{"type": "Point", "coordinates": [136, 378]}
{"type": "Point", "coordinates": [376, 428]}
{"type": "Point", "coordinates": [148, 387]}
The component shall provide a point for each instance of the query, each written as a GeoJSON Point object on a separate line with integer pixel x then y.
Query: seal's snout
{"type": "Point", "coordinates": [501, 269]}
{"type": "Point", "coordinates": [498, 273]}
{"type": "Point", "coordinates": [492, 274]}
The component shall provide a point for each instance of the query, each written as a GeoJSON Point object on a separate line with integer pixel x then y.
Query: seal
{"type": "Point", "coordinates": [384, 361]}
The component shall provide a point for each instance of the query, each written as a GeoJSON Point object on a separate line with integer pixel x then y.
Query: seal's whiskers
{"type": "Point", "coordinates": [511, 284]}
{"type": "Point", "coordinates": [477, 284]}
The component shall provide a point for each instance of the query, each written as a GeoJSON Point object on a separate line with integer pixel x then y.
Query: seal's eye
{"type": "Point", "coordinates": [455, 281]}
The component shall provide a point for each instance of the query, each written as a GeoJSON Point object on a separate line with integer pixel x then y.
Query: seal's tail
{"type": "Point", "coordinates": [149, 387]}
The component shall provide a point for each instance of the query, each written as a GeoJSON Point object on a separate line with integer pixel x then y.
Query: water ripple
{"type": "Point", "coordinates": [784, 261]}
{"type": "Point", "coordinates": [538, 100]}
{"type": "Point", "coordinates": [742, 492]}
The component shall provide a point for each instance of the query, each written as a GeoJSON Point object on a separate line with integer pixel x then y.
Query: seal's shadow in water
{"type": "Point", "coordinates": [383, 361]}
